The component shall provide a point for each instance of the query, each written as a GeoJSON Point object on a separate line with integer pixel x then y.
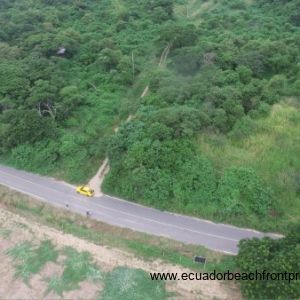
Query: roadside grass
{"type": "Point", "coordinates": [272, 150]}
{"type": "Point", "coordinates": [142, 245]}
{"type": "Point", "coordinates": [132, 284]}
{"type": "Point", "coordinates": [121, 283]}
{"type": "Point", "coordinates": [78, 267]}
{"type": "Point", "coordinates": [30, 259]}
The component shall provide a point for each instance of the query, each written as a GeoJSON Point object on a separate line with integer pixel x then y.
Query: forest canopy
{"type": "Point", "coordinates": [71, 71]}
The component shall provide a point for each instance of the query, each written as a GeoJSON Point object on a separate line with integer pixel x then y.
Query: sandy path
{"type": "Point", "coordinates": [96, 182]}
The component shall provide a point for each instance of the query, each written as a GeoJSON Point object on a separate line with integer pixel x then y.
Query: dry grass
{"type": "Point", "coordinates": [272, 150]}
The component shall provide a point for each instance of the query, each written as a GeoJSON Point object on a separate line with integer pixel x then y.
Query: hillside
{"type": "Point", "coordinates": [217, 134]}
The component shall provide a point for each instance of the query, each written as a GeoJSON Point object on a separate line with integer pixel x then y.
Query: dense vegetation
{"type": "Point", "coordinates": [56, 107]}
{"type": "Point", "coordinates": [72, 70]}
{"type": "Point", "coordinates": [229, 63]}
{"type": "Point", "coordinates": [271, 256]}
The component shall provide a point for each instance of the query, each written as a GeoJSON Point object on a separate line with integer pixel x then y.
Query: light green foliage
{"type": "Point", "coordinates": [270, 149]}
{"type": "Point", "coordinates": [30, 259]}
{"type": "Point", "coordinates": [55, 284]}
{"type": "Point", "coordinates": [273, 256]}
{"type": "Point", "coordinates": [130, 284]}
{"type": "Point", "coordinates": [78, 266]}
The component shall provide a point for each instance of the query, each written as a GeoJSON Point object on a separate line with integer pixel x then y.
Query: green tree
{"type": "Point", "coordinates": [220, 119]}
{"type": "Point", "coordinates": [13, 80]}
{"type": "Point", "coordinates": [245, 74]}
{"type": "Point", "coordinates": [179, 35]}
{"type": "Point", "coordinates": [272, 256]}
{"type": "Point", "coordinates": [26, 126]}
{"type": "Point", "coordinates": [254, 60]}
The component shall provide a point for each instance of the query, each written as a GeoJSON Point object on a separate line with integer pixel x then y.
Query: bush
{"type": "Point", "coordinates": [242, 128]}
{"type": "Point", "coordinates": [272, 256]}
{"type": "Point", "coordinates": [195, 184]}
{"type": "Point", "coordinates": [242, 192]}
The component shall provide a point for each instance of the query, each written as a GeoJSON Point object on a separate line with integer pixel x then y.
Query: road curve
{"type": "Point", "coordinates": [118, 212]}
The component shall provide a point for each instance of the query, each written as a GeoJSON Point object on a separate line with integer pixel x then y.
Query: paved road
{"type": "Point", "coordinates": [118, 212]}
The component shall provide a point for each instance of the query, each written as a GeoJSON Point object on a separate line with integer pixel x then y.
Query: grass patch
{"type": "Point", "coordinates": [132, 284]}
{"type": "Point", "coordinates": [31, 259]}
{"type": "Point", "coordinates": [144, 246]}
{"type": "Point", "coordinates": [272, 151]}
{"type": "Point", "coordinates": [171, 256]}
{"type": "Point", "coordinates": [5, 233]}
{"type": "Point", "coordinates": [78, 267]}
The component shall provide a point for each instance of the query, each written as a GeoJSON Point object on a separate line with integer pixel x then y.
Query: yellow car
{"type": "Point", "coordinates": [85, 190]}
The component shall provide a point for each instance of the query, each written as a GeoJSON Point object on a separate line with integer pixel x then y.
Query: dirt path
{"type": "Point", "coordinates": [164, 55]}
{"type": "Point", "coordinates": [108, 258]}
{"type": "Point", "coordinates": [96, 182]}
{"type": "Point", "coordinates": [145, 91]}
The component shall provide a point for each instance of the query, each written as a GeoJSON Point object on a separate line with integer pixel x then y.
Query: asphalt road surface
{"type": "Point", "coordinates": [118, 212]}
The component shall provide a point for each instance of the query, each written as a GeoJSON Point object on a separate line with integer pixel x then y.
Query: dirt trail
{"type": "Point", "coordinates": [96, 182]}
{"type": "Point", "coordinates": [145, 92]}
{"type": "Point", "coordinates": [108, 258]}
{"type": "Point", "coordinates": [164, 55]}
{"type": "Point", "coordinates": [161, 64]}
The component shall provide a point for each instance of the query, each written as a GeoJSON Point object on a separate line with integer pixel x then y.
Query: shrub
{"type": "Point", "coordinates": [272, 256]}
{"type": "Point", "coordinates": [242, 192]}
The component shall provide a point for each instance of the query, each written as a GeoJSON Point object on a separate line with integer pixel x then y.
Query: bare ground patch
{"type": "Point", "coordinates": [106, 257]}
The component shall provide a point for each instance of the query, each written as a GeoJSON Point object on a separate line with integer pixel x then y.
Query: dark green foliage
{"type": "Point", "coordinates": [156, 163]}
{"type": "Point", "coordinates": [243, 128]}
{"type": "Point", "coordinates": [219, 77]}
{"type": "Point", "coordinates": [224, 63]}
{"type": "Point", "coordinates": [26, 127]}
{"type": "Point", "coordinates": [178, 35]}
{"type": "Point", "coordinates": [195, 184]}
{"type": "Point", "coordinates": [273, 256]}
{"type": "Point", "coordinates": [44, 154]}
{"type": "Point", "coordinates": [242, 192]}
{"type": "Point", "coordinates": [69, 100]}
